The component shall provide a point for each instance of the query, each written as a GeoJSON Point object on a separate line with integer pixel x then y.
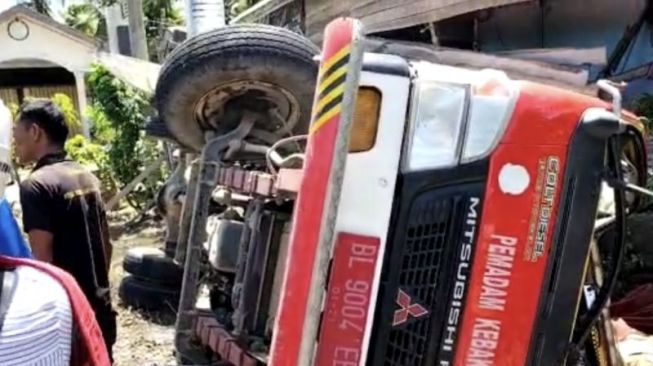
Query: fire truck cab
{"type": "Point", "coordinates": [433, 216]}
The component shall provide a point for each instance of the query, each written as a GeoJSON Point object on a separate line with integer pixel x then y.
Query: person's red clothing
{"type": "Point", "coordinates": [88, 344]}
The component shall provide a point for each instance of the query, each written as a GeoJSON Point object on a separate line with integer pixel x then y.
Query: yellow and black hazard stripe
{"type": "Point", "coordinates": [331, 88]}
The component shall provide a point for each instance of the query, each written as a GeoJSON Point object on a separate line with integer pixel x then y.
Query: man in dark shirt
{"type": "Point", "coordinates": [63, 213]}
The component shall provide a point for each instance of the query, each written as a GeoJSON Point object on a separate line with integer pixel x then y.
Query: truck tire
{"type": "Point", "coordinates": [210, 80]}
{"type": "Point", "coordinates": [148, 296]}
{"type": "Point", "coordinates": [152, 265]}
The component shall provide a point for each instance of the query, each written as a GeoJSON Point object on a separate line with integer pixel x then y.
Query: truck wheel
{"type": "Point", "coordinates": [148, 296]}
{"type": "Point", "coordinates": [152, 265]}
{"type": "Point", "coordinates": [210, 80]}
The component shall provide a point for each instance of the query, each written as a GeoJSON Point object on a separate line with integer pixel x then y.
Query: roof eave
{"type": "Point", "coordinates": [21, 10]}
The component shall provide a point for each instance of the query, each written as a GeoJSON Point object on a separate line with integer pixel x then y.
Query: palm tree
{"type": "Point", "coordinates": [86, 18]}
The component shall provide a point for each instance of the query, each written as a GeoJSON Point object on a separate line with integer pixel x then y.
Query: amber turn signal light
{"type": "Point", "coordinates": [366, 120]}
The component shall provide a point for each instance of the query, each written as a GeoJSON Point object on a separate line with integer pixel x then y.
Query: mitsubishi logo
{"type": "Point", "coordinates": [406, 309]}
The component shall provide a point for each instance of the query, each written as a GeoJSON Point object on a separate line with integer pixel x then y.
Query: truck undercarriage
{"type": "Point", "coordinates": [420, 215]}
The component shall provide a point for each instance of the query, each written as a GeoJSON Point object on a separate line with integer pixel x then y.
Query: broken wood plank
{"type": "Point", "coordinates": [132, 185]}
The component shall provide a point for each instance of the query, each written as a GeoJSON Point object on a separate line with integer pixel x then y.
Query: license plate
{"type": "Point", "coordinates": [348, 300]}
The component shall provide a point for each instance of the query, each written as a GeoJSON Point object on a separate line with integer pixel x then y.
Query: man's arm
{"type": "Point", "coordinates": [37, 222]}
{"type": "Point", "coordinates": [41, 243]}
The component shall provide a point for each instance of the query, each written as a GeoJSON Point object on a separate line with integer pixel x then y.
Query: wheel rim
{"type": "Point", "coordinates": [221, 108]}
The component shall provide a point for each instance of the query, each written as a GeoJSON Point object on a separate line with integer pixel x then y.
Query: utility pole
{"type": "Point", "coordinates": [137, 38]}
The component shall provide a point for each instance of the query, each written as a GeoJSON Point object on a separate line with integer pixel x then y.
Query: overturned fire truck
{"type": "Point", "coordinates": [396, 212]}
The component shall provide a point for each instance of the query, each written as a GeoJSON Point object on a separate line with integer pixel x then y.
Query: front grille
{"type": "Point", "coordinates": [422, 256]}
{"type": "Point", "coordinates": [426, 237]}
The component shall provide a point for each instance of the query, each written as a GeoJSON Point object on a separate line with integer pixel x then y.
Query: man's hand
{"type": "Point", "coordinates": [41, 243]}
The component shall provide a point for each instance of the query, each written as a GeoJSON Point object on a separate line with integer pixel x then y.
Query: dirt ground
{"type": "Point", "coordinates": [141, 341]}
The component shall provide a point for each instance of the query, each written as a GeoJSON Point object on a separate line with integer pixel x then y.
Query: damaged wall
{"type": "Point", "coordinates": [563, 23]}
{"type": "Point", "coordinates": [383, 15]}
{"type": "Point", "coordinates": [572, 23]}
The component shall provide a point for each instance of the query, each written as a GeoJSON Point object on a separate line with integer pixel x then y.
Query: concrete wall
{"type": "Point", "coordinates": [115, 19]}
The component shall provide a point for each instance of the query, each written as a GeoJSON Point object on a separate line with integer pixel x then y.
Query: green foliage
{"type": "Point", "coordinates": [13, 108]}
{"type": "Point", "coordinates": [85, 152]}
{"type": "Point", "coordinates": [67, 107]}
{"type": "Point", "coordinates": [86, 18]}
{"type": "Point", "coordinates": [101, 129]}
{"type": "Point", "coordinates": [125, 109]}
{"type": "Point", "coordinates": [160, 12]}
{"type": "Point", "coordinates": [643, 107]}
{"type": "Point", "coordinates": [93, 156]}
{"type": "Point", "coordinates": [159, 15]}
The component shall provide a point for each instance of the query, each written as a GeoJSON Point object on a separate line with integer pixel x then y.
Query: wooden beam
{"type": "Point", "coordinates": [130, 187]}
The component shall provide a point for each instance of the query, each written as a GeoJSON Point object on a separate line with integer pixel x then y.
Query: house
{"type": "Point", "coordinates": [41, 57]}
{"type": "Point", "coordinates": [605, 38]}
{"type": "Point", "coordinates": [622, 28]}
{"type": "Point", "coordinates": [311, 16]}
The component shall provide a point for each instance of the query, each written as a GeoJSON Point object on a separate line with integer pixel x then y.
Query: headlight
{"type": "Point", "coordinates": [453, 123]}
{"type": "Point", "coordinates": [436, 126]}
